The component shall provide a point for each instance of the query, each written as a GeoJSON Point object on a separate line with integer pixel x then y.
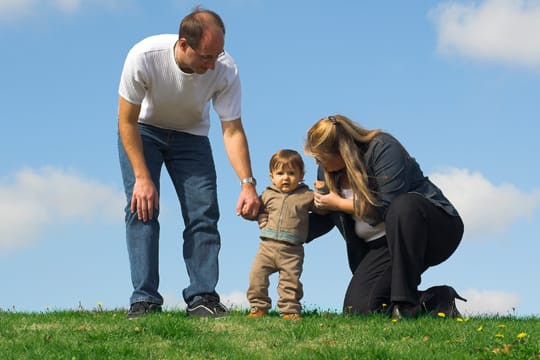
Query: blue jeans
{"type": "Point", "coordinates": [189, 162]}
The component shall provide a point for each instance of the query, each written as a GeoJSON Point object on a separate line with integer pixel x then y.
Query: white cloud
{"type": "Point", "coordinates": [171, 301]}
{"type": "Point", "coordinates": [13, 10]}
{"type": "Point", "coordinates": [234, 300]}
{"type": "Point", "coordinates": [479, 302]}
{"type": "Point", "coordinates": [35, 200]}
{"type": "Point", "coordinates": [67, 5]}
{"type": "Point", "coordinates": [488, 302]}
{"type": "Point", "coordinates": [485, 208]}
{"type": "Point", "coordinates": [501, 30]}
{"type": "Point", "coordinates": [10, 9]}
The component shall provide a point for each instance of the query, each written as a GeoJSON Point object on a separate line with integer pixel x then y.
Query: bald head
{"type": "Point", "coordinates": [201, 23]}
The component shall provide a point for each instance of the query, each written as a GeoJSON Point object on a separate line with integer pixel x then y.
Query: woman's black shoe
{"type": "Point", "coordinates": [405, 311]}
{"type": "Point", "coordinates": [441, 300]}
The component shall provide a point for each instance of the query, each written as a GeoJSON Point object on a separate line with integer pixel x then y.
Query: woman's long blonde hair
{"type": "Point", "coordinates": [339, 135]}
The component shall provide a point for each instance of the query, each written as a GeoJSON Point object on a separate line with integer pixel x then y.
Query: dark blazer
{"type": "Point", "coordinates": [392, 171]}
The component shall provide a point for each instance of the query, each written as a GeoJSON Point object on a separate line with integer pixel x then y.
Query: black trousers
{"type": "Point", "coordinates": [418, 235]}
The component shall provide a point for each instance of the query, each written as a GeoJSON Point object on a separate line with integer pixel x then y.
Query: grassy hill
{"type": "Point", "coordinates": [171, 335]}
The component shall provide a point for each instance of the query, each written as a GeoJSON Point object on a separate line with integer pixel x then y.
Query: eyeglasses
{"type": "Point", "coordinates": [207, 59]}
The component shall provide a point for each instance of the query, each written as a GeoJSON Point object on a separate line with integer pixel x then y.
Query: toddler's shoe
{"type": "Point", "coordinates": [256, 313]}
{"type": "Point", "coordinates": [295, 317]}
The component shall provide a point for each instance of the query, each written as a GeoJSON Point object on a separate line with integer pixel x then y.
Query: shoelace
{"type": "Point", "coordinates": [217, 307]}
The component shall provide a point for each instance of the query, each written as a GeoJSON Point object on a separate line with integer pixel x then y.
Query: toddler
{"type": "Point", "coordinates": [287, 202]}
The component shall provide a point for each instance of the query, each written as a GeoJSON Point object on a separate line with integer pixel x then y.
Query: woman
{"type": "Point", "coordinates": [395, 221]}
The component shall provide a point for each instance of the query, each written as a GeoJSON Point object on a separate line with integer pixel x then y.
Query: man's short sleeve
{"type": "Point", "coordinates": [133, 82]}
{"type": "Point", "coordinates": [227, 101]}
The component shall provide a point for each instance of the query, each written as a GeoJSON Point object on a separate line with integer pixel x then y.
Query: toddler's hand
{"type": "Point", "coordinates": [320, 187]}
{"type": "Point", "coordinates": [262, 218]}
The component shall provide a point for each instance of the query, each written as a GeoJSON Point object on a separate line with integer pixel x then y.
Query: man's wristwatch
{"type": "Point", "coordinates": [249, 180]}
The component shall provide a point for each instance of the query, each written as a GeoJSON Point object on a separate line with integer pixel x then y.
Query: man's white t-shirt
{"type": "Point", "coordinates": [173, 99]}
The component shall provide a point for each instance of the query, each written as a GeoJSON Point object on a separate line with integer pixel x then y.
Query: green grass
{"type": "Point", "coordinates": [171, 335]}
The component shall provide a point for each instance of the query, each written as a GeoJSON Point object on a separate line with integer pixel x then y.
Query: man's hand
{"type": "Point", "coordinates": [236, 146]}
{"type": "Point", "coordinates": [248, 202]}
{"type": "Point", "coordinates": [145, 199]}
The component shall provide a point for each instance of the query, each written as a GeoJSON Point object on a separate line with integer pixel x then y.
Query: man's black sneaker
{"type": "Point", "coordinates": [207, 306]}
{"type": "Point", "coordinates": [142, 308]}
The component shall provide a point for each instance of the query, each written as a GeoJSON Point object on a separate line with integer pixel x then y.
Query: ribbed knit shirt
{"type": "Point", "coordinates": [173, 99]}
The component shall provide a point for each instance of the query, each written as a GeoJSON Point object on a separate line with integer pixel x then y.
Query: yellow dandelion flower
{"type": "Point", "coordinates": [480, 328]}
{"type": "Point", "coordinates": [501, 326]}
{"type": "Point", "coordinates": [459, 319]}
{"type": "Point", "coordinates": [521, 335]}
{"type": "Point", "coordinates": [384, 305]}
{"type": "Point", "coordinates": [441, 314]}
{"type": "Point", "coordinates": [394, 321]}
{"type": "Point", "coordinates": [499, 335]}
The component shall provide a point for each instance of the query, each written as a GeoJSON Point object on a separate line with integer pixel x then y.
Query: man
{"type": "Point", "coordinates": [165, 90]}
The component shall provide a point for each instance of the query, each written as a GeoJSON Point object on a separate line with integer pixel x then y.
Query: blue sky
{"type": "Point", "coordinates": [456, 81]}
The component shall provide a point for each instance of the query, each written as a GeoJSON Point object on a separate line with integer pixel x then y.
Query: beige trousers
{"type": "Point", "coordinates": [277, 256]}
